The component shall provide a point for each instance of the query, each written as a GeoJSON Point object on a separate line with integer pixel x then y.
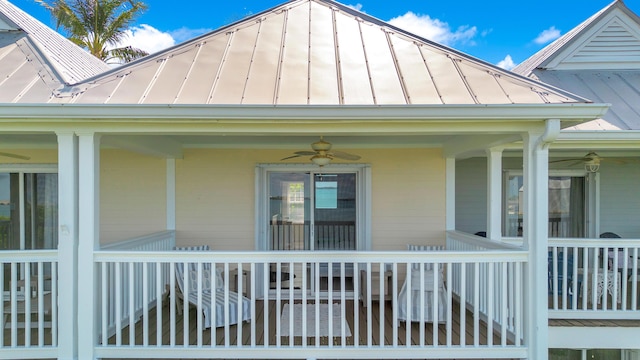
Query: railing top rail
{"type": "Point", "coordinates": [28, 255]}
{"type": "Point", "coordinates": [314, 256]}
{"type": "Point", "coordinates": [144, 239]}
{"type": "Point", "coordinates": [480, 241]}
{"type": "Point", "coordinates": [595, 243]}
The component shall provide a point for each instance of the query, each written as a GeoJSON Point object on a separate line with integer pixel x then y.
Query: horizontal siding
{"type": "Point", "coordinates": [132, 195]}
{"type": "Point", "coordinates": [471, 195]}
{"type": "Point", "coordinates": [620, 199]}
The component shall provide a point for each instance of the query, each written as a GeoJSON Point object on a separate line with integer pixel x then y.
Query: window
{"type": "Point", "coordinates": [28, 211]}
{"type": "Point", "coordinates": [567, 205]}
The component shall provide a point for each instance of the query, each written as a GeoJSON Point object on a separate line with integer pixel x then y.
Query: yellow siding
{"type": "Point", "coordinates": [40, 156]}
{"type": "Point", "coordinates": [216, 196]}
{"type": "Point", "coordinates": [132, 195]}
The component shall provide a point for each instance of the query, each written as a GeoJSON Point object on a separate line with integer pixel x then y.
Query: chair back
{"type": "Point", "coordinates": [192, 272]}
{"type": "Point", "coordinates": [427, 266]}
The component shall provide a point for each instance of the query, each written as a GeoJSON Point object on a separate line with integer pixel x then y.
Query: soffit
{"type": "Point", "coordinates": [312, 52]}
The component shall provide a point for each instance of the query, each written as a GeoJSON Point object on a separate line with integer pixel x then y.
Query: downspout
{"type": "Point", "coordinates": [551, 133]}
{"type": "Point", "coordinates": [537, 241]}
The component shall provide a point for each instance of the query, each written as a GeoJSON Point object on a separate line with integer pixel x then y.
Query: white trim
{"type": "Point", "coordinates": [161, 113]}
{"type": "Point", "coordinates": [494, 193]}
{"type": "Point", "coordinates": [171, 194]}
{"type": "Point", "coordinates": [68, 245]}
{"type": "Point", "coordinates": [88, 231]}
{"type": "Point", "coordinates": [450, 193]}
{"type": "Point", "coordinates": [29, 168]}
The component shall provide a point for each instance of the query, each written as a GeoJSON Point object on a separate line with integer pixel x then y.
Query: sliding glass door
{"type": "Point", "coordinates": [314, 211]}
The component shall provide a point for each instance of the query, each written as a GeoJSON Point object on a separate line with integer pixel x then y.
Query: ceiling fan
{"type": "Point", "coordinates": [591, 161]}
{"type": "Point", "coordinates": [15, 156]}
{"type": "Point", "coordinates": [322, 154]}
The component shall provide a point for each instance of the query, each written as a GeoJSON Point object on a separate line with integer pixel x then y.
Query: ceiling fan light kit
{"type": "Point", "coordinates": [322, 154]}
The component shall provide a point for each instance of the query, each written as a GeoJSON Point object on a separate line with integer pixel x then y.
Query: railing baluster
{"type": "Point", "coordinates": [132, 320]}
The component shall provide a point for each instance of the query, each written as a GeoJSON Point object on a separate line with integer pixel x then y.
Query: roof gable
{"type": "Point", "coordinates": [610, 39]}
{"type": "Point", "coordinates": [313, 52]}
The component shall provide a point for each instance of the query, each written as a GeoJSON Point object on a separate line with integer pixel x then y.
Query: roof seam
{"type": "Point", "coordinates": [337, 54]}
{"type": "Point", "coordinates": [426, 65]}
{"type": "Point", "coordinates": [392, 49]}
{"type": "Point", "coordinates": [366, 62]}
{"type": "Point", "coordinates": [223, 60]}
{"type": "Point", "coordinates": [463, 78]}
{"type": "Point", "coordinates": [251, 60]}
{"type": "Point", "coordinates": [276, 86]}
{"type": "Point", "coordinates": [199, 45]}
{"type": "Point", "coordinates": [153, 81]}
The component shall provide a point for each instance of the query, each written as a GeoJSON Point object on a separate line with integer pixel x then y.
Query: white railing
{"type": "Point", "coordinates": [495, 291]}
{"type": "Point", "coordinates": [29, 312]}
{"type": "Point", "coordinates": [124, 282]}
{"type": "Point", "coordinates": [594, 278]}
{"type": "Point", "coordinates": [351, 324]}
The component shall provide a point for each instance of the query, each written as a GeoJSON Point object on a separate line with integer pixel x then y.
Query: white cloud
{"type": "Point", "coordinates": [506, 63]}
{"type": "Point", "coordinates": [356, 7]}
{"type": "Point", "coordinates": [547, 36]}
{"type": "Point", "coordinates": [434, 29]}
{"type": "Point", "coordinates": [184, 34]}
{"type": "Point", "coordinates": [147, 38]}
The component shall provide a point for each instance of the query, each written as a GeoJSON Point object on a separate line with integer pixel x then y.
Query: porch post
{"type": "Point", "coordinates": [494, 193]}
{"type": "Point", "coordinates": [171, 194]}
{"type": "Point", "coordinates": [535, 233]}
{"type": "Point", "coordinates": [450, 193]}
{"type": "Point", "coordinates": [68, 245]}
{"type": "Point", "coordinates": [89, 227]}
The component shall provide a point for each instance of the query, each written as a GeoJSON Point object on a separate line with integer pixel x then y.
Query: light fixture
{"type": "Point", "coordinates": [321, 159]}
{"type": "Point", "coordinates": [592, 164]}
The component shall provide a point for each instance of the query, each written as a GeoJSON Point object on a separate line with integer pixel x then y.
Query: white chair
{"type": "Point", "coordinates": [208, 291]}
{"type": "Point", "coordinates": [427, 288]}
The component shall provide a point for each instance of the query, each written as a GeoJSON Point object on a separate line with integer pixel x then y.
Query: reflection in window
{"type": "Point", "coordinates": [326, 195]}
{"type": "Point", "coordinates": [566, 206]}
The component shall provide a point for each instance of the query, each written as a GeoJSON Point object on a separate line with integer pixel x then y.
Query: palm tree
{"type": "Point", "coordinates": [98, 25]}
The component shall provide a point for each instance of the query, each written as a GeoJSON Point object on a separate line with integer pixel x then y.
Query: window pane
{"type": "Point", "coordinates": [566, 206]}
{"type": "Point", "coordinates": [41, 211]}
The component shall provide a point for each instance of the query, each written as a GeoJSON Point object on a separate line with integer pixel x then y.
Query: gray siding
{"type": "Point", "coordinates": [620, 199]}
{"type": "Point", "coordinates": [471, 195]}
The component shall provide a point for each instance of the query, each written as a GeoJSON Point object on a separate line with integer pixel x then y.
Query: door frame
{"type": "Point", "coordinates": [363, 198]}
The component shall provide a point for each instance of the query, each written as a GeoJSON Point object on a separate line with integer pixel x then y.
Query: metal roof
{"type": "Point", "coordinates": [600, 60]}
{"type": "Point", "coordinates": [312, 52]}
{"type": "Point", "coordinates": [31, 50]}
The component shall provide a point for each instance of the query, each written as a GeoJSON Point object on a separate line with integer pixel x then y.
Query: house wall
{"type": "Point", "coordinates": [471, 195]}
{"type": "Point", "coordinates": [215, 191]}
{"type": "Point", "coordinates": [132, 195]}
{"type": "Point", "coordinates": [620, 199]}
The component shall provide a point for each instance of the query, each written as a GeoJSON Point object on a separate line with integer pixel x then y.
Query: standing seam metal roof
{"type": "Point", "coordinates": [312, 52]}
{"type": "Point", "coordinates": [71, 63]}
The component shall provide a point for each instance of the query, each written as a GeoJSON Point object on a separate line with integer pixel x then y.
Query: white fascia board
{"type": "Point", "coordinates": [609, 139]}
{"type": "Point", "coordinates": [582, 337]}
{"type": "Point", "coordinates": [573, 112]}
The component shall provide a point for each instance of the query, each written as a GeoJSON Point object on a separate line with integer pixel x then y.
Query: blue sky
{"type": "Point", "coordinates": [491, 30]}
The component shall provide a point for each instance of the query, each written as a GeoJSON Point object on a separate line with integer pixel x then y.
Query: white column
{"type": "Point", "coordinates": [171, 194]}
{"type": "Point", "coordinates": [450, 193]}
{"type": "Point", "coordinates": [67, 245]}
{"type": "Point", "coordinates": [494, 194]}
{"type": "Point", "coordinates": [89, 227]}
{"type": "Point", "coordinates": [535, 233]}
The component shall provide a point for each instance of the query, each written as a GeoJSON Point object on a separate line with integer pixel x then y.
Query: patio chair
{"type": "Point", "coordinates": [560, 273]}
{"type": "Point", "coordinates": [210, 289]}
{"type": "Point", "coordinates": [428, 287]}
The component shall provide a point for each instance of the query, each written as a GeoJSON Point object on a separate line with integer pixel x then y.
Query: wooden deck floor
{"type": "Point", "coordinates": [362, 337]}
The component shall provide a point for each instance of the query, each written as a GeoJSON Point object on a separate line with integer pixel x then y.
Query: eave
{"type": "Point", "coordinates": [57, 113]}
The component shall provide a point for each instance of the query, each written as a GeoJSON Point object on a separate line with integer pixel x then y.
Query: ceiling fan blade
{"type": "Point", "coordinates": [15, 156]}
{"type": "Point", "coordinates": [299, 154]}
{"type": "Point", "coordinates": [565, 160]}
{"type": "Point", "coordinates": [344, 155]}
